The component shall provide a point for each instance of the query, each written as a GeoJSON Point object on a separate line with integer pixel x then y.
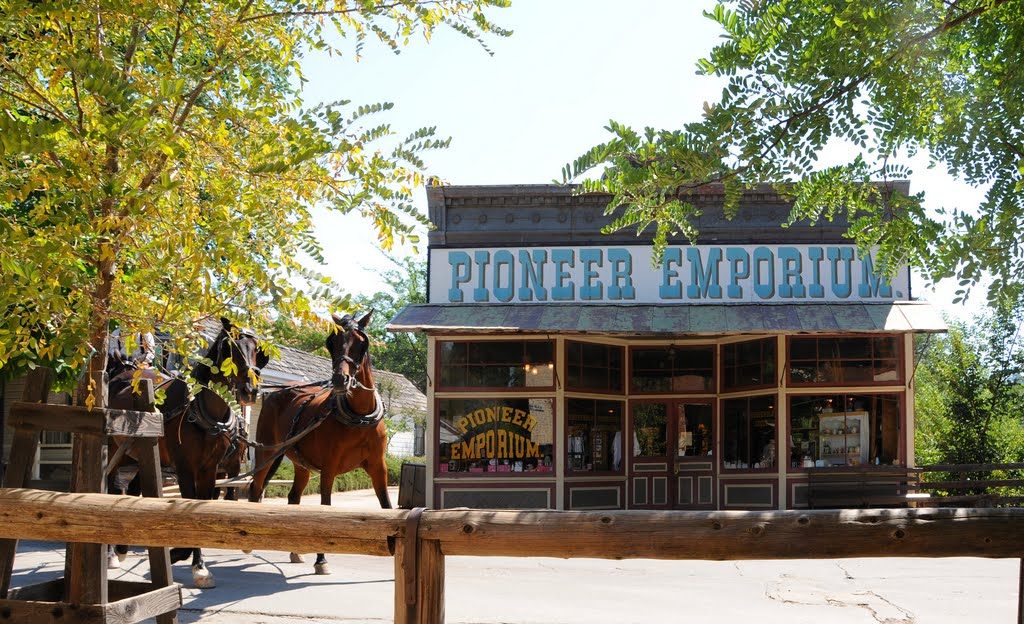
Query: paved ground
{"type": "Point", "coordinates": [264, 588]}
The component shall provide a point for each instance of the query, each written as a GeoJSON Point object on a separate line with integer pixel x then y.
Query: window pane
{"type": "Point", "coordinates": [503, 435]}
{"type": "Point", "coordinates": [748, 439]}
{"type": "Point", "coordinates": [594, 366]}
{"type": "Point", "coordinates": [694, 424]}
{"type": "Point", "coordinates": [844, 430]}
{"type": "Point", "coordinates": [750, 363]}
{"type": "Point", "coordinates": [496, 364]}
{"type": "Point", "coordinates": [650, 430]}
{"type": "Point", "coordinates": [594, 436]}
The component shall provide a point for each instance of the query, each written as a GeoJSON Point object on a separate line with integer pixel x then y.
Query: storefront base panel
{"type": "Point", "coordinates": [480, 496]}
{"type": "Point", "coordinates": [748, 494]}
{"type": "Point", "coordinates": [594, 496]}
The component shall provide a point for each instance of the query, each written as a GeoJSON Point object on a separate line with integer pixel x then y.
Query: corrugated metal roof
{"type": "Point", "coordinates": [903, 316]}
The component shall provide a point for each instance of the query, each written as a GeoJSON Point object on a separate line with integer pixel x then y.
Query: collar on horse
{"type": "Point", "coordinates": [197, 413]}
{"type": "Point", "coordinates": [342, 412]}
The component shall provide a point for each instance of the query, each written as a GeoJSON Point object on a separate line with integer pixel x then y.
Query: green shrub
{"type": "Point", "coordinates": [354, 480]}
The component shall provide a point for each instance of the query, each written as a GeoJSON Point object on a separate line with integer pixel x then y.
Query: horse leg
{"type": "Point", "coordinates": [295, 497]}
{"type": "Point", "coordinates": [206, 488]}
{"type": "Point", "coordinates": [379, 477]}
{"type": "Point", "coordinates": [326, 489]}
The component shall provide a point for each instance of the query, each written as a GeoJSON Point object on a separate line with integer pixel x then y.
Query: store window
{"type": "Point", "coordinates": [594, 430]}
{"type": "Point", "coordinates": [844, 430]}
{"type": "Point", "coordinates": [505, 435]}
{"type": "Point", "coordinates": [694, 430]}
{"type": "Point", "coordinates": [749, 364]}
{"type": "Point", "coordinates": [748, 433]}
{"type": "Point", "coordinates": [672, 369]}
{"type": "Point", "coordinates": [593, 367]}
{"type": "Point", "coordinates": [650, 429]}
{"type": "Point", "coordinates": [496, 364]}
{"type": "Point", "coordinates": [846, 360]}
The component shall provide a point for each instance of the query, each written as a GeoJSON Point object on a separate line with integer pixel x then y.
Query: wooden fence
{"type": "Point", "coordinates": [423, 538]}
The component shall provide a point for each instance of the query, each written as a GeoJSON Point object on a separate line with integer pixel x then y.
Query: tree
{"type": "Point", "coordinates": [157, 165]}
{"type": "Point", "coordinates": [399, 352]}
{"type": "Point", "coordinates": [887, 79]}
{"type": "Point", "coordinates": [969, 386]}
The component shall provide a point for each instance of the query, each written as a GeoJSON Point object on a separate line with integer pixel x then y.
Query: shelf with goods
{"type": "Point", "coordinates": [843, 438]}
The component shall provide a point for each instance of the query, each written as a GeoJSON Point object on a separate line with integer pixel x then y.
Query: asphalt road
{"type": "Point", "coordinates": [265, 588]}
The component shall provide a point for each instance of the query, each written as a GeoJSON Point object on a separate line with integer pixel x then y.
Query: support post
{"type": "Point", "coordinates": [86, 564]}
{"type": "Point", "coordinates": [419, 576]}
{"type": "Point", "coordinates": [19, 467]}
{"type": "Point", "coordinates": [152, 487]}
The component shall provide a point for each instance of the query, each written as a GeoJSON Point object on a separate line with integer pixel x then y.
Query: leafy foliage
{"type": "Point", "coordinates": [889, 79]}
{"type": "Point", "coordinates": [157, 164]}
{"type": "Point", "coordinates": [399, 352]}
{"type": "Point", "coordinates": [969, 388]}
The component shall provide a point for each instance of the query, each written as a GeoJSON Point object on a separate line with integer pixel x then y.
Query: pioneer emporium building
{"type": "Point", "coordinates": [569, 371]}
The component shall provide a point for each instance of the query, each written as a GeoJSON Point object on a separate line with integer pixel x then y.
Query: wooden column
{"type": "Point", "coordinates": [419, 576]}
{"type": "Point", "coordinates": [152, 487]}
{"type": "Point", "coordinates": [19, 465]}
{"type": "Point", "coordinates": [88, 475]}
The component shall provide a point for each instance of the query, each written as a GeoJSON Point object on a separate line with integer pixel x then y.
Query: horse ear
{"type": "Point", "coordinates": [365, 319]}
{"type": "Point", "coordinates": [226, 322]}
{"type": "Point", "coordinates": [338, 320]}
{"type": "Point", "coordinates": [262, 358]}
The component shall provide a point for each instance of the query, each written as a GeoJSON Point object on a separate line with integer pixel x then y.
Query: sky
{"type": "Point", "coordinates": [542, 99]}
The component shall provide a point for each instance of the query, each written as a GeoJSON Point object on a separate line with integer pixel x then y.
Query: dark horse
{"type": "Point", "coordinates": [202, 434]}
{"type": "Point", "coordinates": [328, 431]}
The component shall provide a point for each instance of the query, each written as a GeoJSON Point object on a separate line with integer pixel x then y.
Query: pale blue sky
{"type": "Point", "coordinates": [542, 99]}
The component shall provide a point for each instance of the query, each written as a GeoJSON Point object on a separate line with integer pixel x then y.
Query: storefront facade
{"type": "Point", "coordinates": [569, 371]}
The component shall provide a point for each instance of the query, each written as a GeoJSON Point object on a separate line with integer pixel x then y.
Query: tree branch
{"type": "Point", "coordinates": [31, 87]}
{"type": "Point", "coordinates": [361, 9]}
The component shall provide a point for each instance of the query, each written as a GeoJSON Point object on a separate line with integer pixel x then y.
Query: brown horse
{"type": "Point", "coordinates": [328, 431]}
{"type": "Point", "coordinates": [202, 434]}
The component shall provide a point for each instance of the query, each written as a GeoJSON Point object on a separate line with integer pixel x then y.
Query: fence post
{"type": "Point", "coordinates": [419, 576]}
{"type": "Point", "coordinates": [85, 568]}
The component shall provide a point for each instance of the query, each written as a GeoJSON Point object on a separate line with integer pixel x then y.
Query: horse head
{"type": "Point", "coordinates": [240, 345]}
{"type": "Point", "coordinates": [349, 347]}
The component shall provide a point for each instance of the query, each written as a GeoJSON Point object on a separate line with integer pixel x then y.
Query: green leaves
{"type": "Point", "coordinates": [157, 166]}
{"type": "Point", "coordinates": [880, 81]}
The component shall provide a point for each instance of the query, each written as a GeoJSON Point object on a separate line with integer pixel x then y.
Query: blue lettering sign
{"type": "Point", "coordinates": [739, 268]}
{"type": "Point", "coordinates": [459, 261]}
{"type": "Point", "coordinates": [670, 289]}
{"type": "Point", "coordinates": [563, 258]}
{"type": "Point", "coordinates": [704, 281]}
{"type": "Point", "coordinates": [532, 284]}
{"type": "Point", "coordinates": [621, 286]}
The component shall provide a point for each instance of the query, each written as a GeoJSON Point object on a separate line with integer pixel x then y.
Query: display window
{"type": "Point", "coordinates": [594, 367]}
{"type": "Point", "coordinates": [506, 435]}
{"type": "Point", "coordinates": [481, 364]}
{"type": "Point", "coordinates": [832, 430]}
{"type": "Point", "coordinates": [650, 429]}
{"type": "Point", "coordinates": [750, 364]}
{"type": "Point", "coordinates": [593, 436]}
{"type": "Point", "coordinates": [672, 369]}
{"type": "Point", "coordinates": [748, 433]}
{"type": "Point", "coordinates": [848, 360]}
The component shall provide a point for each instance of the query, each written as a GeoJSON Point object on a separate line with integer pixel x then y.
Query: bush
{"type": "Point", "coordinates": [354, 480]}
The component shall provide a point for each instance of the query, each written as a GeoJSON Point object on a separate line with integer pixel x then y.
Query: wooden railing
{"type": "Point", "coordinates": [422, 539]}
{"type": "Point", "coordinates": [973, 484]}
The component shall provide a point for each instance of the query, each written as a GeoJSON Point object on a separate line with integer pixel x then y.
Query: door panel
{"type": "Point", "coordinates": [671, 455]}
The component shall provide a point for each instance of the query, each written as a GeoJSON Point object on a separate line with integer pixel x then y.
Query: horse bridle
{"type": "Point", "coordinates": [353, 362]}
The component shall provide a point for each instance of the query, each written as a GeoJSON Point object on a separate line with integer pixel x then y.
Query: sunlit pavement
{"type": "Point", "coordinates": [265, 588]}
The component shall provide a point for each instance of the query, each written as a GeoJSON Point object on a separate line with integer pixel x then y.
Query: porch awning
{"type": "Point", "coordinates": [657, 320]}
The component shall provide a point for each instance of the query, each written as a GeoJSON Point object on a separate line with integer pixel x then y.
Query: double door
{"type": "Point", "coordinates": [672, 456]}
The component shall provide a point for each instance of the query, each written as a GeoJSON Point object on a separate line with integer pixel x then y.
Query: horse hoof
{"type": "Point", "coordinates": [322, 568]}
{"type": "Point", "coordinates": [113, 562]}
{"type": "Point", "coordinates": [297, 558]}
{"type": "Point", "coordinates": [246, 552]}
{"type": "Point", "coordinates": [202, 578]}
{"type": "Point", "coordinates": [121, 556]}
